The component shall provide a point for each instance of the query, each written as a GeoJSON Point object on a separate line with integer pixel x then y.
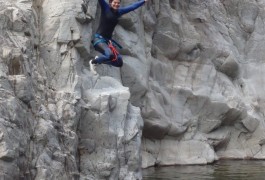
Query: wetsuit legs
{"type": "Point", "coordinates": [107, 56]}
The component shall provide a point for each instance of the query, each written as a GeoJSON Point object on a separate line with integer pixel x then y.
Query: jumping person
{"type": "Point", "coordinates": [102, 41]}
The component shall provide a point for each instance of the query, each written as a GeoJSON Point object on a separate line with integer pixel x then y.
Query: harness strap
{"type": "Point", "coordinates": [111, 43]}
{"type": "Point", "coordinates": [116, 43]}
{"type": "Point", "coordinates": [104, 40]}
{"type": "Point", "coordinates": [114, 51]}
{"type": "Point", "coordinates": [99, 41]}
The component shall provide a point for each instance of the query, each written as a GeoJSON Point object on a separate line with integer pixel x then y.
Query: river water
{"type": "Point", "coordinates": [222, 170]}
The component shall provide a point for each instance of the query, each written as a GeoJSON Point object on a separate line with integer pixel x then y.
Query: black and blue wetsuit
{"type": "Point", "coordinates": [108, 21]}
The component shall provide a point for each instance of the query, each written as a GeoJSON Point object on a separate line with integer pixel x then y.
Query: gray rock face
{"type": "Point", "coordinates": [58, 121]}
{"type": "Point", "coordinates": [204, 100]}
{"type": "Point", "coordinates": [190, 91]}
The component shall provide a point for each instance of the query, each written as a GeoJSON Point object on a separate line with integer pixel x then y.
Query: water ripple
{"type": "Point", "coordinates": [222, 170]}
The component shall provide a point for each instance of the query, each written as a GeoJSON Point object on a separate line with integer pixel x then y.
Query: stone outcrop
{"type": "Point", "coordinates": [58, 120]}
{"type": "Point", "coordinates": [190, 90]}
{"type": "Point", "coordinates": [204, 100]}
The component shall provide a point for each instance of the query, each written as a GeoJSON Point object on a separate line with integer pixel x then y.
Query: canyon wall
{"type": "Point", "coordinates": [190, 90]}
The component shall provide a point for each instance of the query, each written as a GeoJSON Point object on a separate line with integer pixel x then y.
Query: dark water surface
{"type": "Point", "coordinates": [222, 170]}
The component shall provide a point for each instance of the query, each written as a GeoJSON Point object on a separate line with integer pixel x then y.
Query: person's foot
{"type": "Point", "coordinates": [92, 64]}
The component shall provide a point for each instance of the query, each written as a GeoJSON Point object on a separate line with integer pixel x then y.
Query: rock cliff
{"type": "Point", "coordinates": [190, 91]}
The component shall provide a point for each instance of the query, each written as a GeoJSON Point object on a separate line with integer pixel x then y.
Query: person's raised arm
{"type": "Point", "coordinates": [131, 7]}
{"type": "Point", "coordinates": [103, 4]}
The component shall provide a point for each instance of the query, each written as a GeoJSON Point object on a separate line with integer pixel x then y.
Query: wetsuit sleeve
{"type": "Point", "coordinates": [103, 4]}
{"type": "Point", "coordinates": [131, 7]}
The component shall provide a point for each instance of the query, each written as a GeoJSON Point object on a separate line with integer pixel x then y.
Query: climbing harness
{"type": "Point", "coordinates": [101, 39]}
{"type": "Point", "coordinates": [110, 42]}
{"type": "Point", "coordinates": [114, 51]}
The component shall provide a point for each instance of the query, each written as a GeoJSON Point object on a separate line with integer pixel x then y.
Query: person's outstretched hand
{"type": "Point", "coordinates": [145, 0]}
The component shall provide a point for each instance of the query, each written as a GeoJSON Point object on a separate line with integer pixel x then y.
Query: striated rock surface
{"type": "Point", "coordinates": [205, 95]}
{"type": "Point", "coordinates": [190, 91]}
{"type": "Point", "coordinates": [58, 121]}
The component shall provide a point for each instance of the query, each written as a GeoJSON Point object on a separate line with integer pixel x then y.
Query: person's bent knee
{"type": "Point", "coordinates": [120, 64]}
{"type": "Point", "coordinates": [117, 63]}
{"type": "Point", "coordinates": [120, 61]}
{"type": "Point", "coordinates": [112, 57]}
